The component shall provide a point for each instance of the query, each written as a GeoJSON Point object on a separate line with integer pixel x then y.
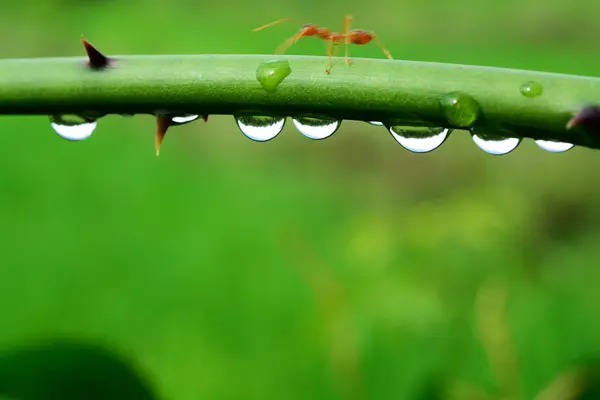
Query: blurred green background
{"type": "Point", "coordinates": [348, 268]}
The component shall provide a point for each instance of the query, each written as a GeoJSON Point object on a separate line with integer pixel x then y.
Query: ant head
{"type": "Point", "coordinates": [309, 29]}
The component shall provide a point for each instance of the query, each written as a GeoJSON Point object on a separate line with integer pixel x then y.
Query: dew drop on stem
{"type": "Point", "coordinates": [419, 139]}
{"type": "Point", "coordinates": [270, 74]}
{"type": "Point", "coordinates": [495, 145]}
{"type": "Point", "coordinates": [460, 109]}
{"type": "Point", "coordinates": [260, 128]}
{"type": "Point", "coordinates": [531, 89]}
{"type": "Point", "coordinates": [72, 127]}
{"type": "Point", "coordinates": [554, 147]}
{"type": "Point", "coordinates": [316, 127]}
{"type": "Point", "coordinates": [180, 119]}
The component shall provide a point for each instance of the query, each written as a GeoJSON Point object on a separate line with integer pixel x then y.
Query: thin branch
{"type": "Point", "coordinates": [392, 91]}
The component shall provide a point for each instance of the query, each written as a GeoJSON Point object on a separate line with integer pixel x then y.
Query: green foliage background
{"type": "Point", "coordinates": [347, 268]}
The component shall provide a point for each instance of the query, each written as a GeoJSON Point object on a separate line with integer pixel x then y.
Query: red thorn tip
{"type": "Point", "coordinates": [205, 118]}
{"type": "Point", "coordinates": [587, 116]}
{"type": "Point", "coordinates": [573, 122]}
{"type": "Point", "coordinates": [97, 60]}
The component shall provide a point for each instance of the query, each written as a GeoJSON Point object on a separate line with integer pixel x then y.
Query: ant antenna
{"type": "Point", "coordinates": [271, 24]}
{"type": "Point", "coordinates": [285, 45]}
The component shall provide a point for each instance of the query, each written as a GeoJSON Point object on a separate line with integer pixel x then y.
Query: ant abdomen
{"type": "Point", "coordinates": [360, 36]}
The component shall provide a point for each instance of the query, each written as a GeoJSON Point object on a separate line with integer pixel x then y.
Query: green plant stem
{"type": "Point", "coordinates": [368, 89]}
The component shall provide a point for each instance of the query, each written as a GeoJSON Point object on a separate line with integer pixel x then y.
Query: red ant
{"type": "Point", "coordinates": [355, 36]}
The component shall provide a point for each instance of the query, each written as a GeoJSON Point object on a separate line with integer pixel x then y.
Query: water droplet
{"type": "Point", "coordinates": [260, 129]}
{"type": "Point", "coordinates": [376, 123]}
{"type": "Point", "coordinates": [271, 73]}
{"type": "Point", "coordinates": [91, 115]}
{"type": "Point", "coordinates": [183, 119]}
{"type": "Point", "coordinates": [496, 146]}
{"type": "Point", "coordinates": [72, 127]}
{"type": "Point", "coordinates": [316, 128]}
{"type": "Point", "coordinates": [419, 139]}
{"type": "Point", "coordinates": [531, 89]}
{"type": "Point", "coordinates": [460, 109]}
{"type": "Point", "coordinates": [554, 147]}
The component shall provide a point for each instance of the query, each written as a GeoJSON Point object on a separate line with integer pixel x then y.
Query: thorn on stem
{"type": "Point", "coordinates": [162, 125]}
{"type": "Point", "coordinates": [587, 117]}
{"type": "Point", "coordinates": [96, 59]}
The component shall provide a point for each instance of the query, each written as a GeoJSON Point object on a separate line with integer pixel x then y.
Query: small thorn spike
{"type": "Point", "coordinates": [162, 125]}
{"type": "Point", "coordinates": [205, 118]}
{"type": "Point", "coordinates": [96, 59]}
{"type": "Point", "coordinates": [587, 117]}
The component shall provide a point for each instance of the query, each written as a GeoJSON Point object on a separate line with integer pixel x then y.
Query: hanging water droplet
{"type": "Point", "coordinates": [316, 128]}
{"type": "Point", "coordinates": [376, 123]}
{"type": "Point", "coordinates": [91, 115]}
{"type": "Point", "coordinates": [260, 128]}
{"type": "Point", "coordinates": [419, 139]}
{"type": "Point", "coordinates": [183, 119]}
{"type": "Point", "coordinates": [72, 127]}
{"type": "Point", "coordinates": [496, 146]}
{"type": "Point", "coordinates": [554, 147]}
{"type": "Point", "coordinates": [531, 89]}
{"type": "Point", "coordinates": [270, 74]}
{"type": "Point", "coordinates": [460, 109]}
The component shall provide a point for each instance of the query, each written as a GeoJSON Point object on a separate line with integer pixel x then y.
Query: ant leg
{"type": "Point", "coordinates": [346, 33]}
{"type": "Point", "coordinates": [381, 46]}
{"type": "Point", "coordinates": [329, 49]}
{"type": "Point", "coordinates": [336, 49]}
{"type": "Point", "coordinates": [285, 45]}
